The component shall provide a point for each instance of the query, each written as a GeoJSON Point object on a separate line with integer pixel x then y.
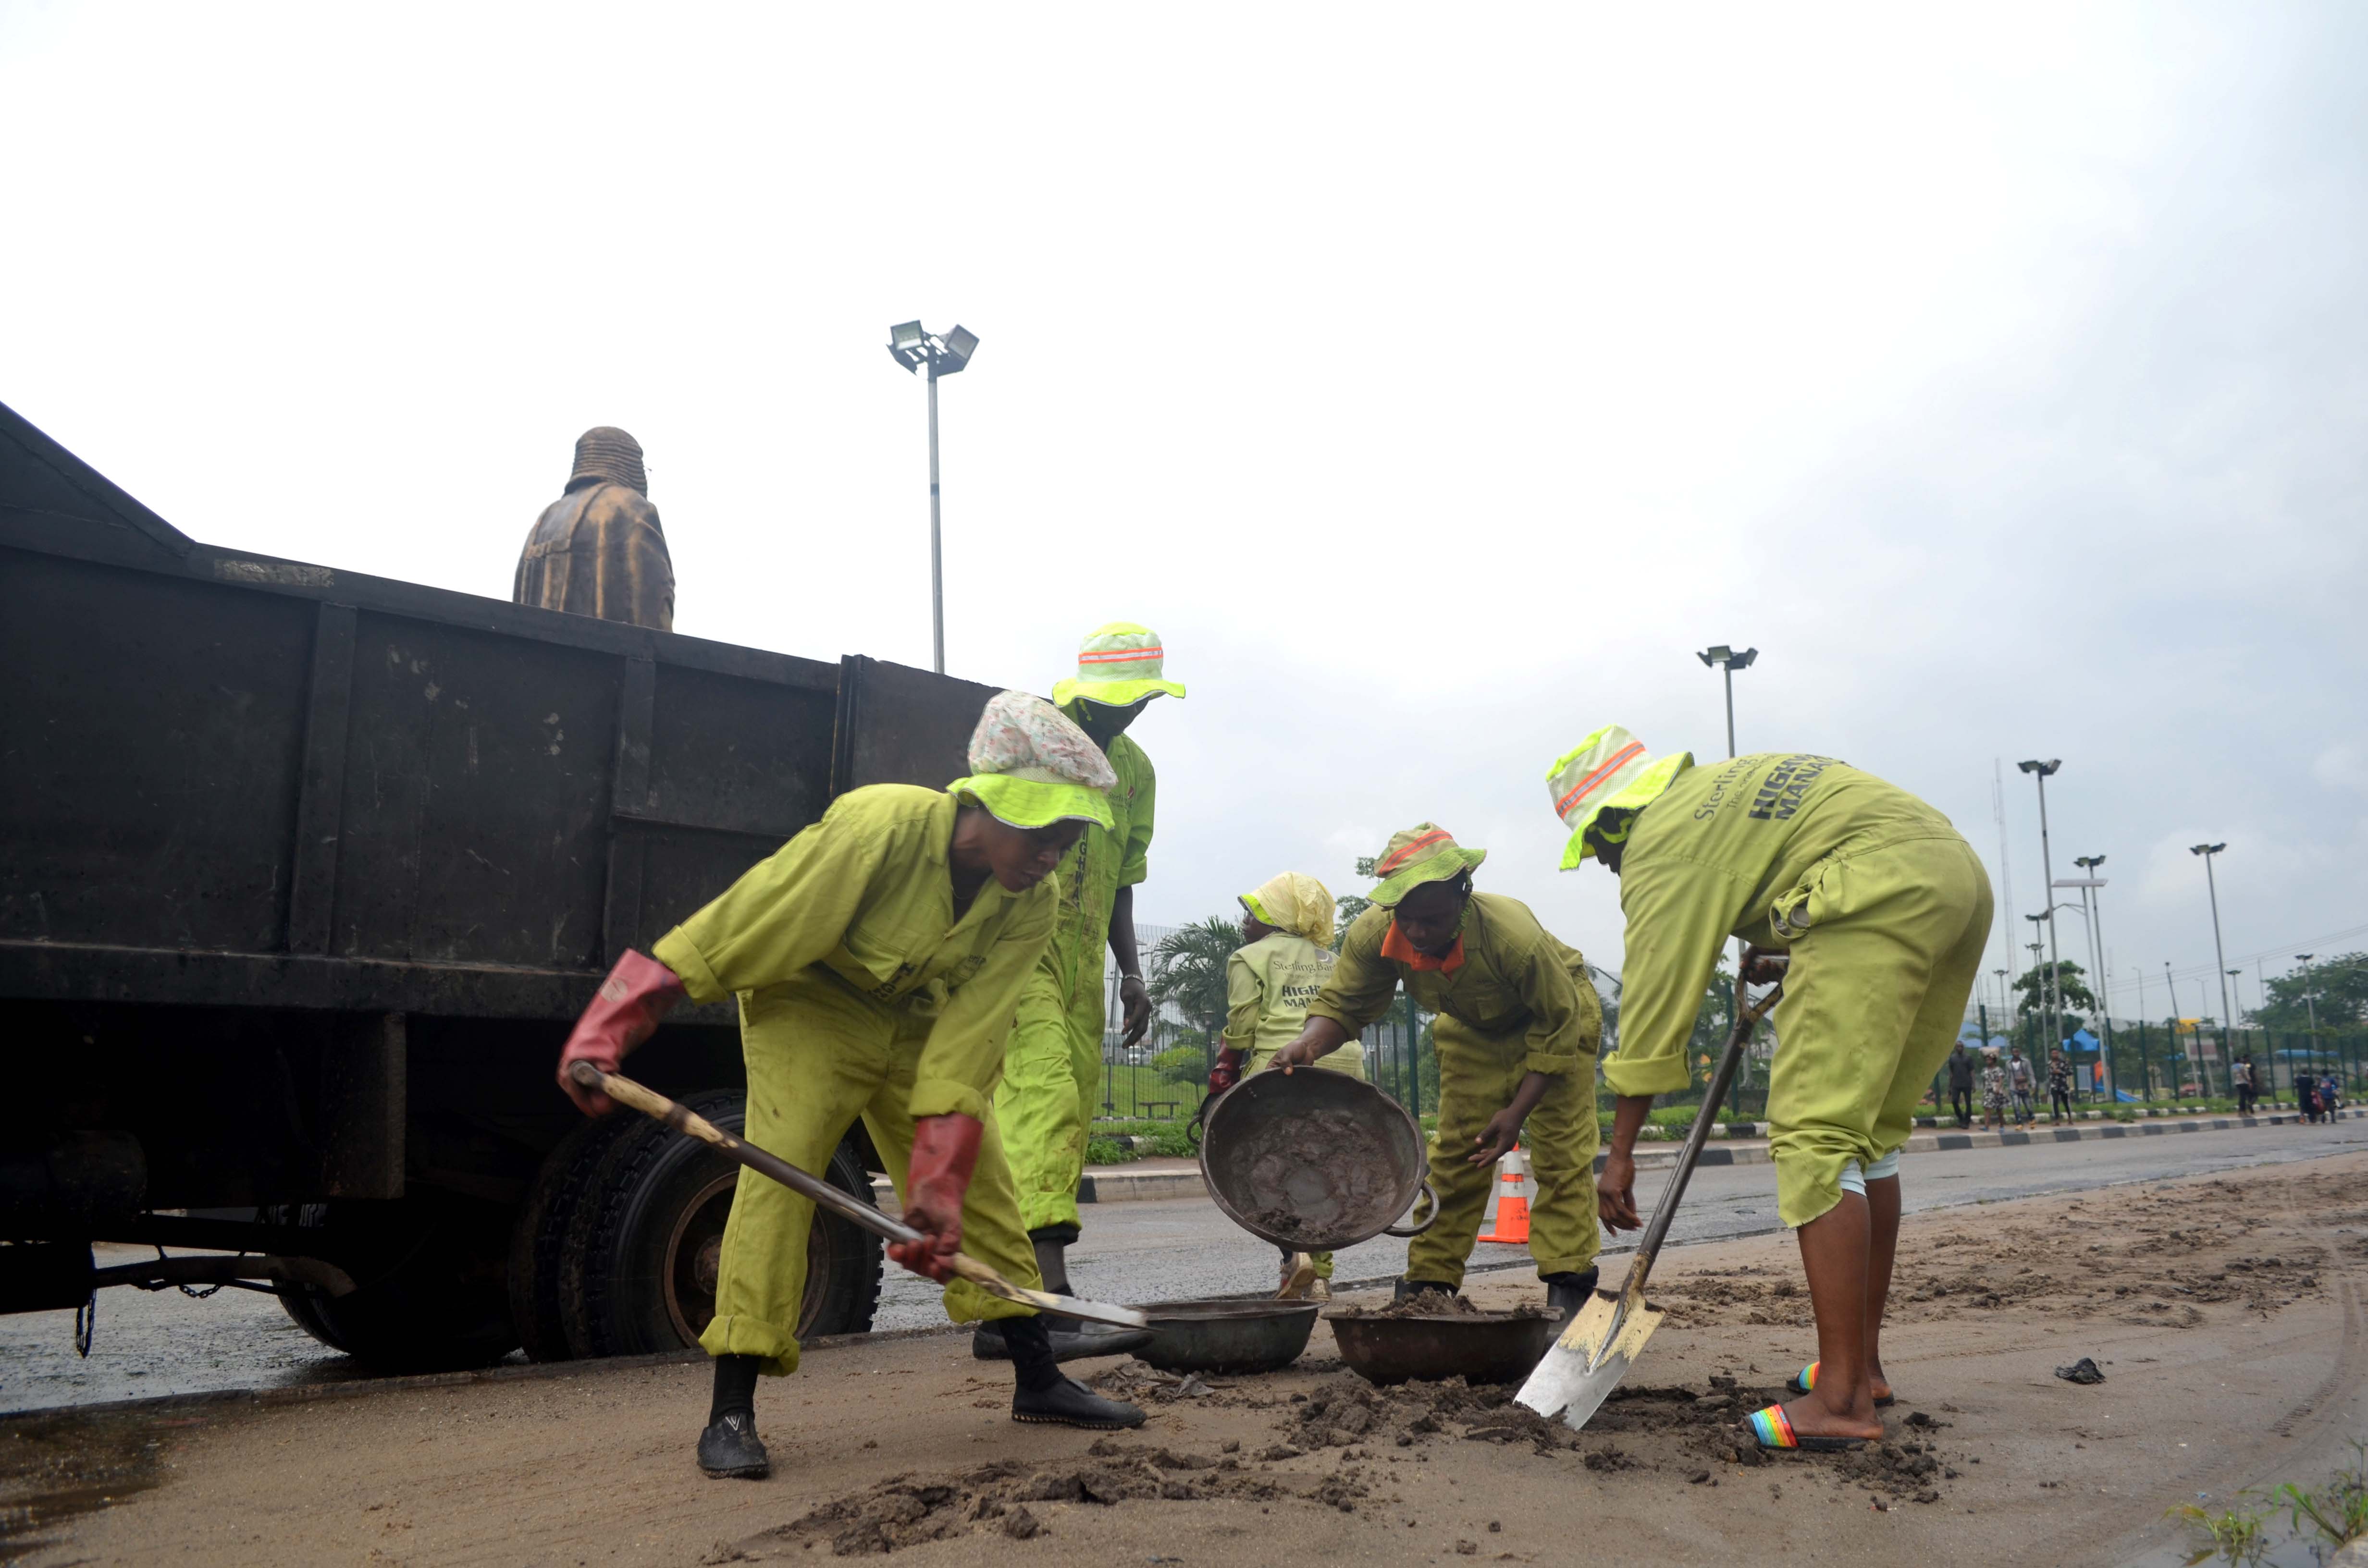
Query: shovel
{"type": "Point", "coordinates": [1586, 1363]}
{"type": "Point", "coordinates": [641, 1097]}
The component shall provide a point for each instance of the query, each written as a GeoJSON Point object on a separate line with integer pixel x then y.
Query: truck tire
{"type": "Point", "coordinates": [428, 1294]}
{"type": "Point", "coordinates": [541, 1230]}
{"type": "Point", "coordinates": [637, 1268]}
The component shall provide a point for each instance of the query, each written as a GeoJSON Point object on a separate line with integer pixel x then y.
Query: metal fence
{"type": "Point", "coordinates": [1397, 1056]}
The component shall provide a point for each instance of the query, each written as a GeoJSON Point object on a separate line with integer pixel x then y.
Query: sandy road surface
{"type": "Point", "coordinates": [149, 1345]}
{"type": "Point", "coordinates": [2226, 1311]}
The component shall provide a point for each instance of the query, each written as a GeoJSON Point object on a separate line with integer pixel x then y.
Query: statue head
{"type": "Point", "coordinates": [605, 452]}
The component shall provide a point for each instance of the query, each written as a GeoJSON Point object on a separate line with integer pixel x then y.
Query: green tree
{"type": "Point", "coordinates": [2339, 988]}
{"type": "Point", "coordinates": [1188, 971]}
{"type": "Point", "coordinates": [1350, 905]}
{"type": "Point", "coordinates": [2071, 988]}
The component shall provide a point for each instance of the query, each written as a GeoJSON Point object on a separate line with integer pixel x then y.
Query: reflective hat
{"type": "Point", "coordinates": [1296, 903]}
{"type": "Point", "coordinates": [1610, 769]}
{"type": "Point", "coordinates": [1423, 853]}
{"type": "Point", "coordinates": [1120, 664]}
{"type": "Point", "coordinates": [1032, 766]}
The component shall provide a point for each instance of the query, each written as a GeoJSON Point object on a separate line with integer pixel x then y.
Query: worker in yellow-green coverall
{"type": "Point", "coordinates": [1286, 956]}
{"type": "Point", "coordinates": [876, 958]}
{"type": "Point", "coordinates": [1884, 910]}
{"type": "Point", "coordinates": [1053, 1066]}
{"type": "Point", "coordinates": [1517, 1030]}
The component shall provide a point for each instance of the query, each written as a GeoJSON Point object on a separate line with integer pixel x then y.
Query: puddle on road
{"type": "Point", "coordinates": [56, 1468]}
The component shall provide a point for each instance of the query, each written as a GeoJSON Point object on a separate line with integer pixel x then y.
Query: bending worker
{"type": "Point", "coordinates": [1885, 910]}
{"type": "Point", "coordinates": [1052, 1067]}
{"type": "Point", "coordinates": [1285, 958]}
{"type": "Point", "coordinates": [1517, 1027]}
{"type": "Point", "coordinates": [877, 957]}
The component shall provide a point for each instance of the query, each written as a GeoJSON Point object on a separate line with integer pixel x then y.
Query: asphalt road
{"type": "Point", "coordinates": [149, 1344]}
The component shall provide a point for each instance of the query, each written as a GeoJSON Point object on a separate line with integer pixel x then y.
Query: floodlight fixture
{"type": "Point", "coordinates": [913, 345]}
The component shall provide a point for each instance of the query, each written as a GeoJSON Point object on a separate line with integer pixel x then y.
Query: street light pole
{"type": "Point", "coordinates": [915, 348]}
{"type": "Point", "coordinates": [2042, 771]}
{"type": "Point", "coordinates": [2213, 883]}
{"type": "Point", "coordinates": [2091, 915]}
{"type": "Point", "coordinates": [1729, 660]}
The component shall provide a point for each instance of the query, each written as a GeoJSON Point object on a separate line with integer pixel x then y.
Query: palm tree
{"type": "Point", "coordinates": [1187, 969]}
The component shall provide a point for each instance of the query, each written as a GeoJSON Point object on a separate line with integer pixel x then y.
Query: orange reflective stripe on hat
{"type": "Point", "coordinates": [1635, 748]}
{"type": "Point", "coordinates": [1406, 852]}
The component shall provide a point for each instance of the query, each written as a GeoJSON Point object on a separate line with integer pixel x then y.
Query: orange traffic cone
{"type": "Point", "coordinates": [1510, 1216]}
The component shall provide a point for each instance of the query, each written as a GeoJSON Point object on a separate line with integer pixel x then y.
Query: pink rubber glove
{"type": "Point", "coordinates": [945, 1151]}
{"type": "Point", "coordinates": [624, 1012]}
{"type": "Point", "coordinates": [1227, 1072]}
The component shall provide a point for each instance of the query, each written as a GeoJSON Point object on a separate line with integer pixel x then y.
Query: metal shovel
{"type": "Point", "coordinates": [641, 1097]}
{"type": "Point", "coordinates": [1586, 1363]}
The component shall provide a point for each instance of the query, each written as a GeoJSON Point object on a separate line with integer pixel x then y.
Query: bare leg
{"type": "Point", "coordinates": [1882, 1244]}
{"type": "Point", "coordinates": [1835, 1254]}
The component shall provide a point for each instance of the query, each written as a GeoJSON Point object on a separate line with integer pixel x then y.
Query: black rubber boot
{"type": "Point", "coordinates": [1407, 1288]}
{"type": "Point", "coordinates": [730, 1447]}
{"type": "Point", "coordinates": [1566, 1294]}
{"type": "Point", "coordinates": [1042, 1394]}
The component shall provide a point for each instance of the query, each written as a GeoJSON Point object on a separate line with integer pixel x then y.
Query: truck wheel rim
{"type": "Point", "coordinates": [692, 1252]}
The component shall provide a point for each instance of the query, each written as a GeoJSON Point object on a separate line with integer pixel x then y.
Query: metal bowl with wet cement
{"type": "Point", "coordinates": [1227, 1336]}
{"type": "Point", "coordinates": [1484, 1349]}
{"type": "Point", "coordinates": [1312, 1161]}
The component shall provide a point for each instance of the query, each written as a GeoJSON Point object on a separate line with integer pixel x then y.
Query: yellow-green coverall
{"type": "Point", "coordinates": [1053, 1066]}
{"type": "Point", "coordinates": [1520, 1003]}
{"type": "Point", "coordinates": [860, 994]}
{"type": "Point", "coordinates": [1886, 911]}
{"type": "Point", "coordinates": [1268, 987]}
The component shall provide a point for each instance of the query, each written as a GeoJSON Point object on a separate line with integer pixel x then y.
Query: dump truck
{"type": "Point", "coordinates": [305, 876]}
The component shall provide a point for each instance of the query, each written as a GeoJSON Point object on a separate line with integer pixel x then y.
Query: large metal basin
{"type": "Point", "coordinates": [1313, 1160]}
{"type": "Point", "coordinates": [1227, 1336]}
{"type": "Point", "coordinates": [1433, 1349]}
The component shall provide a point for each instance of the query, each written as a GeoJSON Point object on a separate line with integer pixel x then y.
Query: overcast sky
{"type": "Point", "coordinates": [1435, 380]}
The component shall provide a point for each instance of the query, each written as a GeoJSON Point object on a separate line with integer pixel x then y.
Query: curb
{"type": "Point", "coordinates": [1121, 1186]}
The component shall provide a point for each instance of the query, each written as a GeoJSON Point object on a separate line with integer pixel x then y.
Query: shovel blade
{"type": "Point", "coordinates": [1067, 1306]}
{"type": "Point", "coordinates": [1583, 1366]}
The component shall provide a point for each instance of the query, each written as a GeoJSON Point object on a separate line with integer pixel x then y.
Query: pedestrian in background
{"type": "Point", "coordinates": [2243, 1075]}
{"type": "Point", "coordinates": [1994, 1091]}
{"type": "Point", "coordinates": [1961, 1084]}
{"type": "Point", "coordinates": [2059, 1086]}
{"type": "Point", "coordinates": [2018, 1078]}
{"type": "Point", "coordinates": [2307, 1096]}
{"type": "Point", "coordinates": [2331, 1097]}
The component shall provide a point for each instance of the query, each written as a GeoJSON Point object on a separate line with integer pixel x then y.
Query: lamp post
{"type": "Point", "coordinates": [2092, 915]}
{"type": "Point", "coordinates": [2005, 996]}
{"type": "Point", "coordinates": [2042, 771]}
{"type": "Point", "coordinates": [2310, 1006]}
{"type": "Point", "coordinates": [2213, 883]}
{"type": "Point", "coordinates": [2044, 995]}
{"type": "Point", "coordinates": [1729, 660]}
{"type": "Point", "coordinates": [913, 347]}
{"type": "Point", "coordinates": [2040, 993]}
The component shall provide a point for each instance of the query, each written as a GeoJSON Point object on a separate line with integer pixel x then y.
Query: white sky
{"type": "Point", "coordinates": [1433, 379]}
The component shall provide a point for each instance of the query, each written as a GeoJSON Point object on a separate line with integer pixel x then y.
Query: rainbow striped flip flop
{"type": "Point", "coordinates": [1773, 1428]}
{"type": "Point", "coordinates": [1805, 1379]}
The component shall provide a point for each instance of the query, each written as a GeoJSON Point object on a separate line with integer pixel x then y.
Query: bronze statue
{"type": "Point", "coordinates": [598, 550]}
